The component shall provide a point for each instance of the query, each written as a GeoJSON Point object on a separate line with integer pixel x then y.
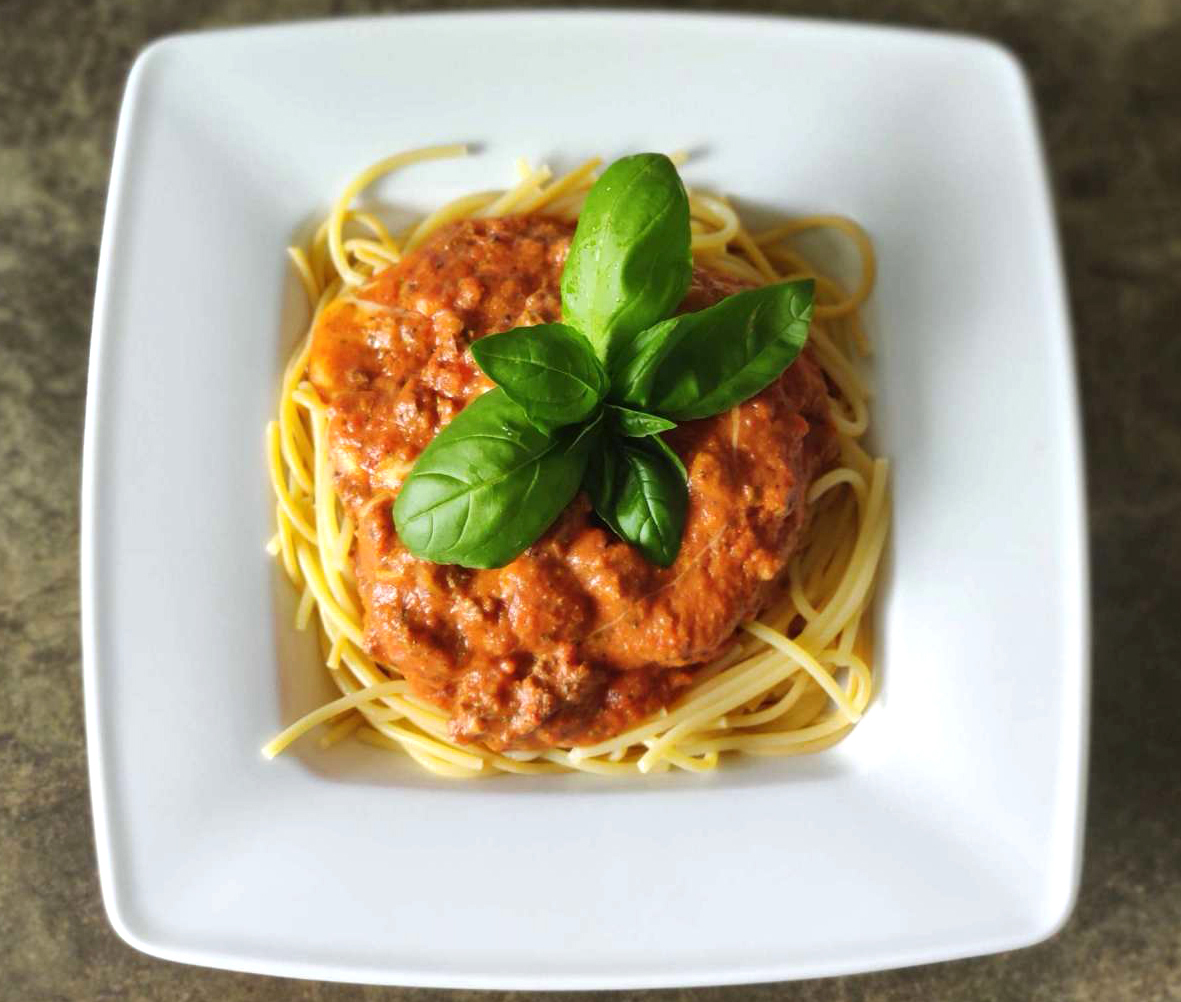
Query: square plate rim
{"type": "Point", "coordinates": [101, 336]}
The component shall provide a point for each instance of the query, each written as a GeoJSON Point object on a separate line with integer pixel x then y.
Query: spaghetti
{"type": "Point", "coordinates": [795, 681]}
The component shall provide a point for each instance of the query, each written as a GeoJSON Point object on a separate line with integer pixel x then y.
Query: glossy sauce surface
{"type": "Point", "coordinates": [579, 636]}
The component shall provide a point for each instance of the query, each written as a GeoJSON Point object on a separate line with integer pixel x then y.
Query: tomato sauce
{"type": "Point", "coordinates": [579, 636]}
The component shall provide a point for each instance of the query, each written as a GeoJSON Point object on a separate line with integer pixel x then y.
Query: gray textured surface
{"type": "Point", "coordinates": [1108, 79]}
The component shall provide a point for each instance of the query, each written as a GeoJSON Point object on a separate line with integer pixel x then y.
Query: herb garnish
{"type": "Point", "coordinates": [583, 403]}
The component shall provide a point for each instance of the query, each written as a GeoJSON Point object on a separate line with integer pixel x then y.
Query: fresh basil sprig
{"type": "Point", "coordinates": [585, 402]}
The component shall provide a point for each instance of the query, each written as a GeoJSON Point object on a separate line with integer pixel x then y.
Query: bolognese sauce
{"type": "Point", "coordinates": [579, 636]}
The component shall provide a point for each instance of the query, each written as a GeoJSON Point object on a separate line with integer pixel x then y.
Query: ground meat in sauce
{"type": "Point", "coordinates": [579, 636]}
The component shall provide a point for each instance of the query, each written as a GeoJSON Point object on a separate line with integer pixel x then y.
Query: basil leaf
{"type": "Point", "coordinates": [487, 486]}
{"type": "Point", "coordinates": [636, 424]}
{"type": "Point", "coordinates": [586, 436]}
{"type": "Point", "coordinates": [667, 451]}
{"type": "Point", "coordinates": [629, 262]}
{"type": "Point", "coordinates": [642, 496]}
{"type": "Point", "coordinates": [550, 371]}
{"type": "Point", "coordinates": [599, 479]}
{"type": "Point", "coordinates": [704, 363]}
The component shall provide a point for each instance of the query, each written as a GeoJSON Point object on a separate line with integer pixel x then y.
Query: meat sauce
{"type": "Point", "coordinates": [579, 636]}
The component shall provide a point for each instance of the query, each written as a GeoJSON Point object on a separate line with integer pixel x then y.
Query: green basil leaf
{"type": "Point", "coordinates": [599, 479]}
{"type": "Point", "coordinates": [629, 263]}
{"type": "Point", "coordinates": [704, 363]}
{"type": "Point", "coordinates": [663, 447]}
{"type": "Point", "coordinates": [550, 371]}
{"type": "Point", "coordinates": [637, 362]}
{"type": "Point", "coordinates": [586, 436]}
{"type": "Point", "coordinates": [636, 424]}
{"type": "Point", "coordinates": [642, 496]}
{"type": "Point", "coordinates": [488, 485]}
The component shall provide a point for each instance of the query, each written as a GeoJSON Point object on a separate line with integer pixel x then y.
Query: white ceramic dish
{"type": "Point", "coordinates": [947, 825]}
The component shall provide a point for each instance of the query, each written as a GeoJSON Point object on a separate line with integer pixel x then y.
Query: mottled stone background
{"type": "Point", "coordinates": [1108, 80]}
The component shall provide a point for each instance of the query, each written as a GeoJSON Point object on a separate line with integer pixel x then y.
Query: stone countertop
{"type": "Point", "coordinates": [1108, 82]}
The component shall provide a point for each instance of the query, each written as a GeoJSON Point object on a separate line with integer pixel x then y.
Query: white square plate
{"type": "Point", "coordinates": [947, 825]}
